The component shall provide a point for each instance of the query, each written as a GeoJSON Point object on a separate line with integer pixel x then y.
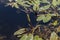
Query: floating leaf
{"type": "Point", "coordinates": [44, 8]}
{"type": "Point", "coordinates": [36, 5]}
{"type": "Point", "coordinates": [54, 2]}
{"type": "Point", "coordinates": [44, 1]}
{"type": "Point", "coordinates": [34, 8]}
{"type": "Point", "coordinates": [22, 3]}
{"type": "Point", "coordinates": [24, 37]}
{"type": "Point", "coordinates": [16, 5]}
{"type": "Point", "coordinates": [30, 37]}
{"type": "Point", "coordinates": [40, 39]}
{"type": "Point", "coordinates": [53, 36]}
{"type": "Point", "coordinates": [37, 38]}
{"type": "Point", "coordinates": [47, 18]}
{"type": "Point", "coordinates": [20, 31]}
{"type": "Point", "coordinates": [58, 2]}
{"type": "Point", "coordinates": [40, 17]}
{"type": "Point", "coordinates": [55, 23]}
{"type": "Point", "coordinates": [19, 36]}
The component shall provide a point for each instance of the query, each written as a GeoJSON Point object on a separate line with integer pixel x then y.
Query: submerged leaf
{"type": "Point", "coordinates": [22, 3]}
{"type": "Point", "coordinates": [20, 31]}
{"type": "Point", "coordinates": [53, 36]}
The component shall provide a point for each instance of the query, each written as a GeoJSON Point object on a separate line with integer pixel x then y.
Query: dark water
{"type": "Point", "coordinates": [9, 20]}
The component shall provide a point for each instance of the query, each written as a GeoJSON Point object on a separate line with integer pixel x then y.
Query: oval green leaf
{"type": "Point", "coordinates": [47, 18]}
{"type": "Point", "coordinates": [20, 31]}
{"type": "Point", "coordinates": [24, 37]}
{"type": "Point", "coordinates": [30, 37]}
{"type": "Point", "coordinates": [40, 17]}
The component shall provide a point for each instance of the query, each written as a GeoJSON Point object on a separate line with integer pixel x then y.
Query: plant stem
{"type": "Point", "coordinates": [28, 17]}
{"type": "Point", "coordinates": [29, 21]}
{"type": "Point", "coordinates": [37, 26]}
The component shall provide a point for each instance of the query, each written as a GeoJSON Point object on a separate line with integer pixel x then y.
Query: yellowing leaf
{"type": "Point", "coordinates": [36, 5]}
{"type": "Point", "coordinates": [53, 36]}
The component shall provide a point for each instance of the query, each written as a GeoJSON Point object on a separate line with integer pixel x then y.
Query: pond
{"type": "Point", "coordinates": [45, 22]}
{"type": "Point", "coordinates": [10, 21]}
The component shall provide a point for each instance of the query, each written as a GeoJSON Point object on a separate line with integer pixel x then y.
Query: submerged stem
{"type": "Point", "coordinates": [37, 26]}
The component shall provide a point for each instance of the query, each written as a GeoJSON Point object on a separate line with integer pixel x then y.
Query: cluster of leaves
{"type": "Point", "coordinates": [30, 36]}
{"type": "Point", "coordinates": [28, 3]}
{"type": "Point", "coordinates": [36, 6]}
{"type": "Point", "coordinates": [45, 17]}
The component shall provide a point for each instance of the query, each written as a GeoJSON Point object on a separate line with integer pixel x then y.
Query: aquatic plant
{"type": "Point", "coordinates": [45, 10]}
